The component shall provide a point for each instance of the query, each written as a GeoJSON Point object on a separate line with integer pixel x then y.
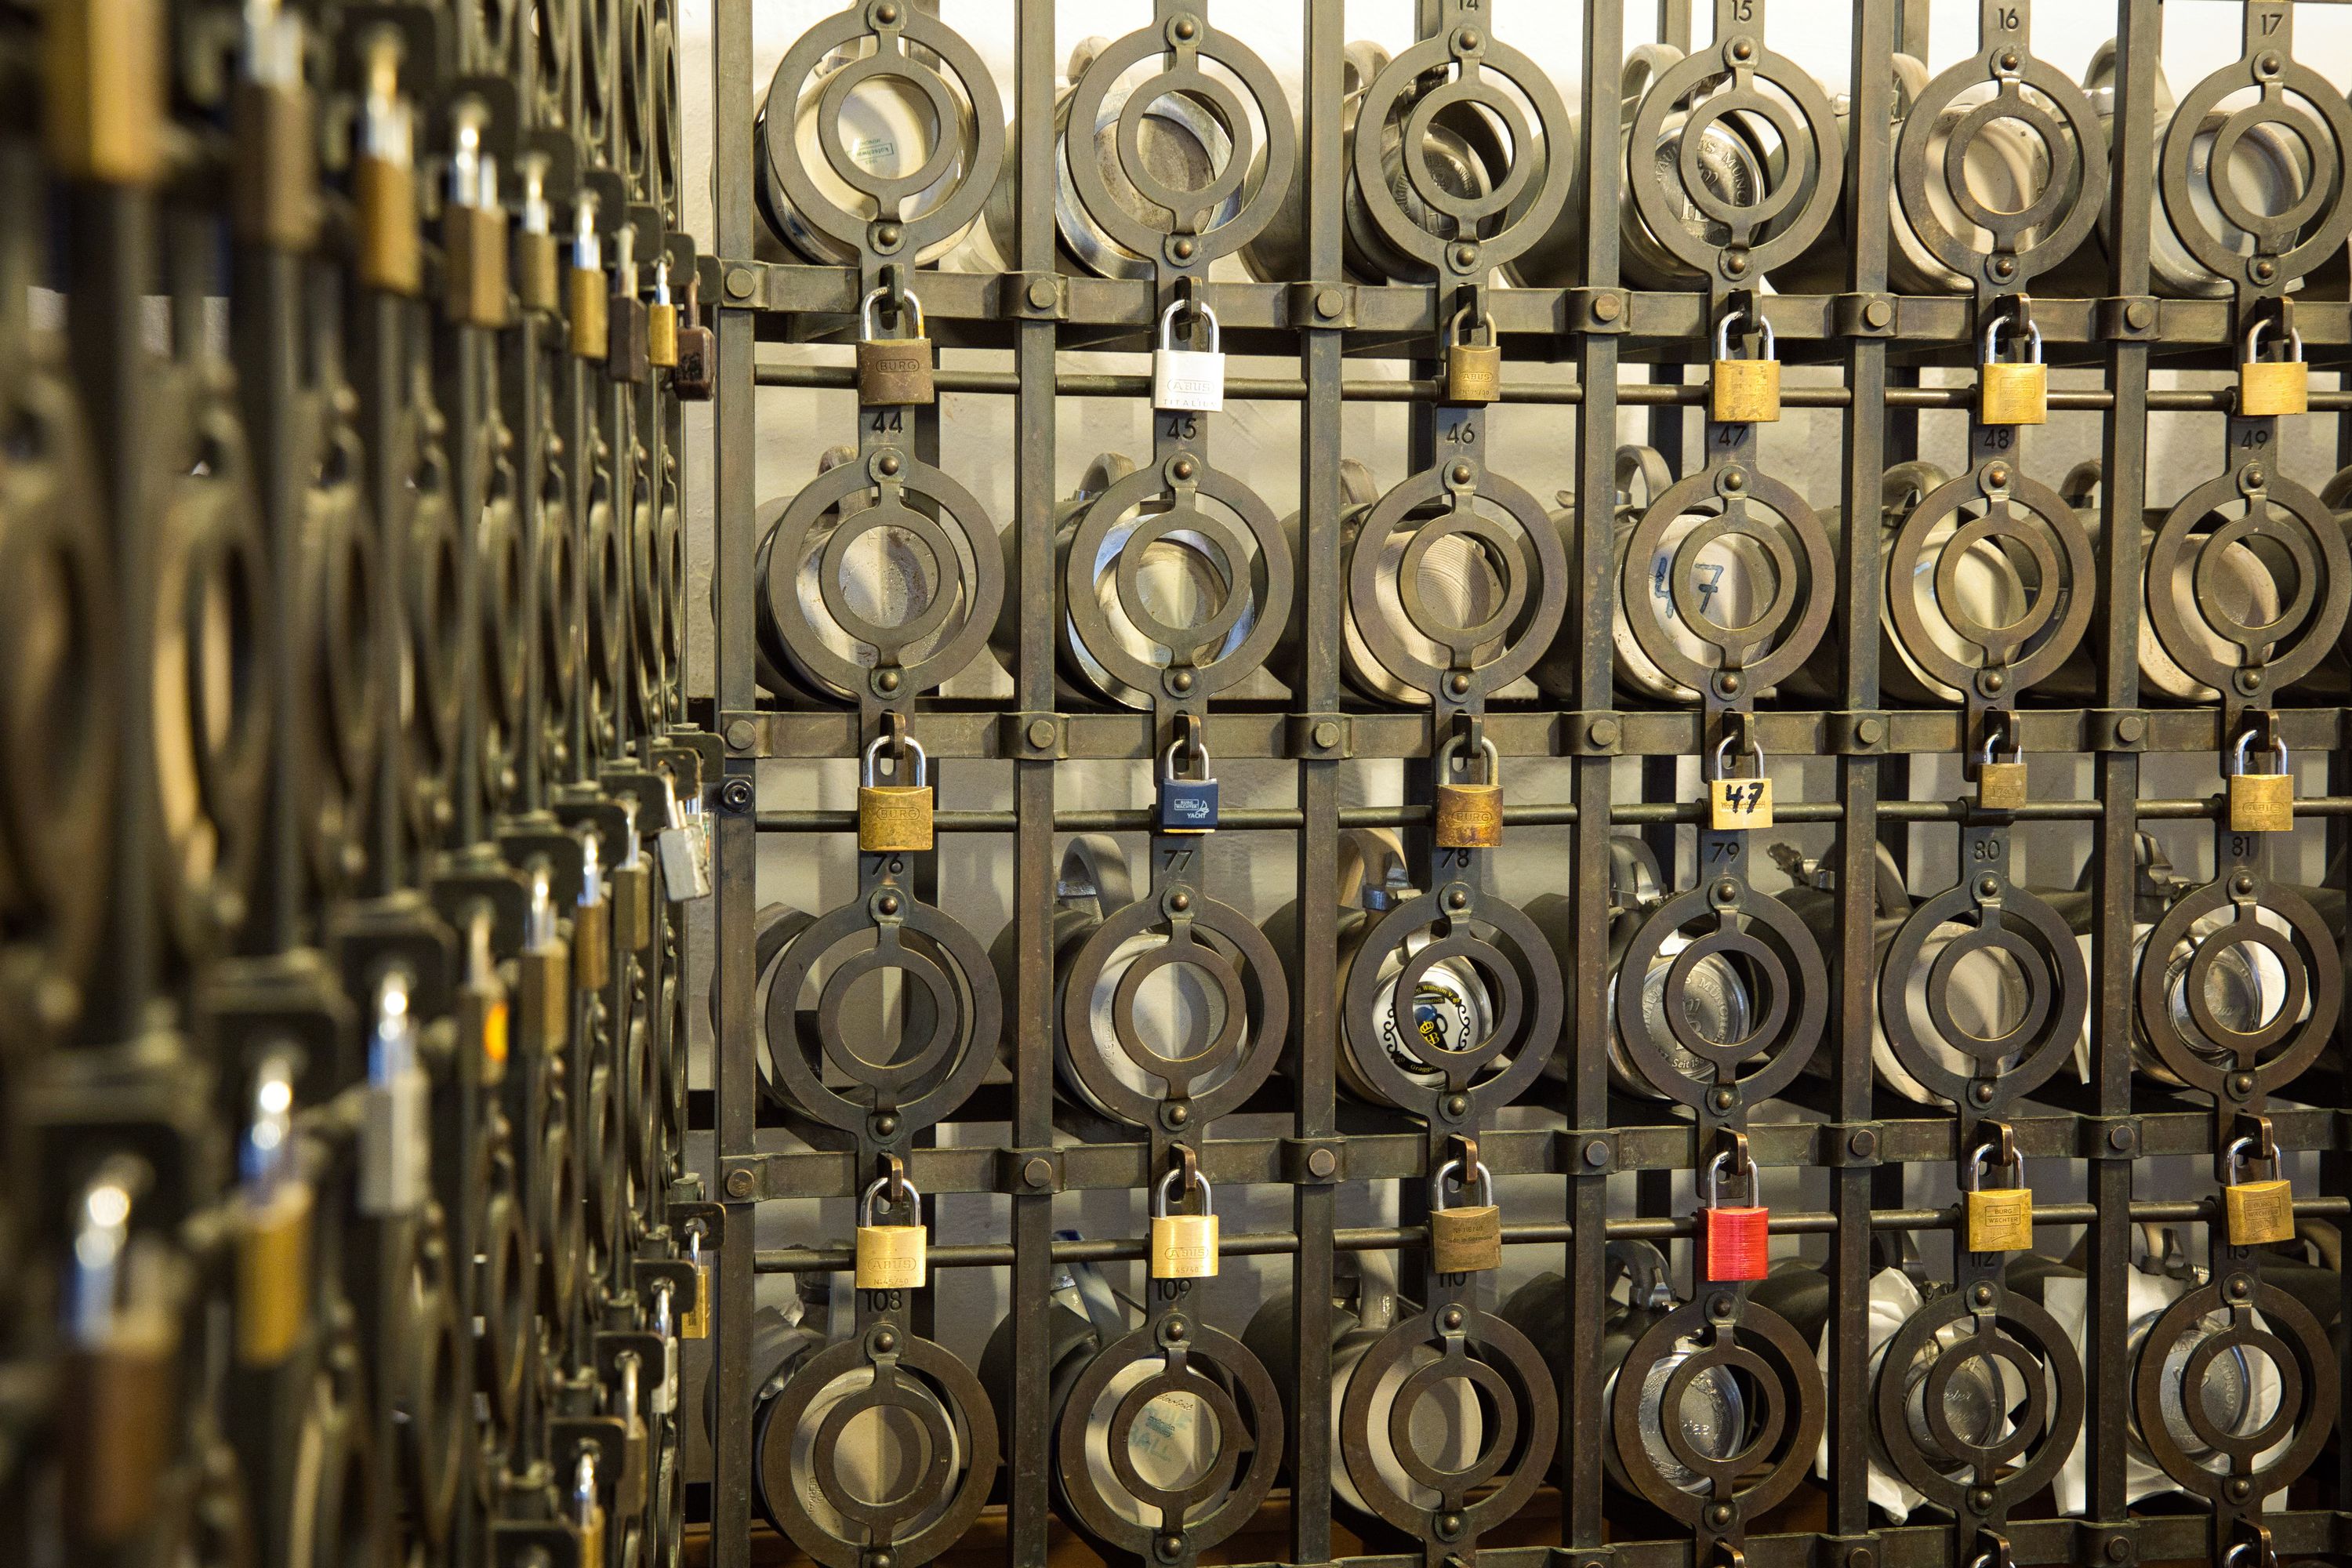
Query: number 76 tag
{"type": "Point", "coordinates": [1738, 803]}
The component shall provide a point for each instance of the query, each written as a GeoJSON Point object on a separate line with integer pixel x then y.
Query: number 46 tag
{"type": "Point", "coordinates": [1738, 803]}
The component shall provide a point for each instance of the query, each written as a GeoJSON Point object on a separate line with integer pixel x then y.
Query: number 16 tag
{"type": "Point", "coordinates": [1738, 803]}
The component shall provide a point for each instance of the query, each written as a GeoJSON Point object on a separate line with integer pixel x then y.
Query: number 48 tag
{"type": "Point", "coordinates": [1738, 803]}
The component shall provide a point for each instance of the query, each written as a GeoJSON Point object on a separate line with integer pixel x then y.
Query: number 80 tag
{"type": "Point", "coordinates": [1738, 805]}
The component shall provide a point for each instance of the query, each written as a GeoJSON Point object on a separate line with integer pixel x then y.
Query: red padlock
{"type": "Point", "coordinates": [1737, 1235]}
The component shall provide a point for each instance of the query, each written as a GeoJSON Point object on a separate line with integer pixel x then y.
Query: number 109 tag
{"type": "Point", "coordinates": [1738, 803]}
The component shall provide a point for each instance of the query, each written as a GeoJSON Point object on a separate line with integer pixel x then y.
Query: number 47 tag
{"type": "Point", "coordinates": [1738, 803]}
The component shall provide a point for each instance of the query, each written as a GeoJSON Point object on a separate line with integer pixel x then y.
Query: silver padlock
{"type": "Point", "coordinates": [395, 1152]}
{"type": "Point", "coordinates": [1188, 381]}
{"type": "Point", "coordinates": [678, 845]}
{"type": "Point", "coordinates": [665, 1327]}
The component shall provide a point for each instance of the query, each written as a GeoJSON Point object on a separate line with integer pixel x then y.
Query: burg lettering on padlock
{"type": "Point", "coordinates": [1745, 391]}
{"type": "Point", "coordinates": [2013, 394]}
{"type": "Point", "coordinates": [1474, 372]}
{"type": "Point", "coordinates": [894, 372]}
{"type": "Point", "coordinates": [1183, 1246]}
{"type": "Point", "coordinates": [894, 818]}
{"type": "Point", "coordinates": [2256, 1213]}
{"type": "Point", "coordinates": [1187, 805]}
{"type": "Point", "coordinates": [891, 1257]}
{"type": "Point", "coordinates": [1188, 381]}
{"type": "Point", "coordinates": [1469, 816]}
{"type": "Point", "coordinates": [2274, 388]}
{"type": "Point", "coordinates": [1466, 1238]}
{"type": "Point", "coordinates": [2261, 803]}
{"type": "Point", "coordinates": [1738, 1236]}
{"type": "Point", "coordinates": [1999, 1219]}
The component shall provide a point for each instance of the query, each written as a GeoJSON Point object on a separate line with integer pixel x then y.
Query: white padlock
{"type": "Point", "coordinates": [1188, 381]}
{"type": "Point", "coordinates": [395, 1148]}
{"type": "Point", "coordinates": [685, 873]}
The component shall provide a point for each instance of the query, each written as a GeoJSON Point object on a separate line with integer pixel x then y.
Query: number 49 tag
{"type": "Point", "coordinates": [1738, 803]}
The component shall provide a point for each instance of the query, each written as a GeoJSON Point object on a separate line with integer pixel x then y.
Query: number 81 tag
{"type": "Point", "coordinates": [1738, 803]}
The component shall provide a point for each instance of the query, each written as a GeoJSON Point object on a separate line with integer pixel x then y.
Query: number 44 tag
{"type": "Point", "coordinates": [1738, 803]}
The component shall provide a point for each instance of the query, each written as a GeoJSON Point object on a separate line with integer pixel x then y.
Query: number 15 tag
{"type": "Point", "coordinates": [1738, 803]}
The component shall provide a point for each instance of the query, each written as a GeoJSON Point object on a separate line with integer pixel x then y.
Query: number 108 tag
{"type": "Point", "coordinates": [1738, 803]}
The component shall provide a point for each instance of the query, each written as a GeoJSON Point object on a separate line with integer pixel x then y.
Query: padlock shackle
{"type": "Point", "coordinates": [1723, 756]}
{"type": "Point", "coordinates": [913, 311]}
{"type": "Point", "coordinates": [2245, 739]}
{"type": "Point", "coordinates": [1454, 320]}
{"type": "Point", "coordinates": [1486, 749]}
{"type": "Point", "coordinates": [1972, 1174]}
{"type": "Point", "coordinates": [267, 1151]}
{"type": "Point", "coordinates": [1160, 1199]}
{"type": "Point", "coordinates": [101, 1235]}
{"type": "Point", "coordinates": [1992, 335]}
{"type": "Point", "coordinates": [2254, 340]}
{"type": "Point", "coordinates": [2233, 1161]}
{"type": "Point", "coordinates": [1200, 749]}
{"type": "Point", "coordinates": [1168, 325]}
{"type": "Point", "coordinates": [1771, 344]}
{"type": "Point", "coordinates": [1486, 1180]}
{"type": "Point", "coordinates": [865, 1205]}
{"type": "Point", "coordinates": [584, 1488]}
{"type": "Point", "coordinates": [1710, 1186]}
{"type": "Point", "coordinates": [870, 759]}
{"type": "Point", "coordinates": [1995, 732]}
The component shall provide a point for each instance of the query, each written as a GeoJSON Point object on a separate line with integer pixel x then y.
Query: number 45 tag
{"type": "Point", "coordinates": [1738, 803]}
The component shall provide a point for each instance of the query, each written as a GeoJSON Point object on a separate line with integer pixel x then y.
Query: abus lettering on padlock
{"type": "Point", "coordinates": [2000, 1219]}
{"type": "Point", "coordinates": [1183, 1246]}
{"type": "Point", "coordinates": [1466, 1238]}
{"type": "Point", "coordinates": [2012, 394]}
{"type": "Point", "coordinates": [894, 372]}
{"type": "Point", "coordinates": [2261, 803]}
{"type": "Point", "coordinates": [1738, 1236]}
{"type": "Point", "coordinates": [1474, 372]}
{"type": "Point", "coordinates": [1188, 381]}
{"type": "Point", "coordinates": [2274, 388]}
{"type": "Point", "coordinates": [891, 1257]}
{"type": "Point", "coordinates": [894, 818]}
{"type": "Point", "coordinates": [2000, 786]}
{"type": "Point", "coordinates": [1187, 805]}
{"type": "Point", "coordinates": [1469, 816]}
{"type": "Point", "coordinates": [2256, 1213]}
{"type": "Point", "coordinates": [1745, 391]}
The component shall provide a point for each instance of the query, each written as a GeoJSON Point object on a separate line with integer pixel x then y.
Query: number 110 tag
{"type": "Point", "coordinates": [1738, 803]}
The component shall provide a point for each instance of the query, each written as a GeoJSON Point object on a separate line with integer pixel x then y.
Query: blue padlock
{"type": "Point", "coordinates": [1187, 805]}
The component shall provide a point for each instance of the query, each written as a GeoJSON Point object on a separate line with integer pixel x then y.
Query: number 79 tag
{"type": "Point", "coordinates": [1738, 803]}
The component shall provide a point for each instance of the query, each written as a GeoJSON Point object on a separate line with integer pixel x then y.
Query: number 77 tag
{"type": "Point", "coordinates": [1738, 803]}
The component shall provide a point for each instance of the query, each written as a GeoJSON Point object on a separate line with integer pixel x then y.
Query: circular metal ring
{"type": "Point", "coordinates": [1787, 965]}
{"type": "Point", "coordinates": [1530, 1409]}
{"type": "Point", "coordinates": [1715, 1332]}
{"type": "Point", "coordinates": [2307, 953]}
{"type": "Point", "coordinates": [1510, 951]}
{"type": "Point", "coordinates": [2290, 238]}
{"type": "Point", "coordinates": [2047, 633]}
{"type": "Point", "coordinates": [2297, 1348]}
{"type": "Point", "coordinates": [2050, 963]}
{"type": "Point", "coordinates": [2287, 516]}
{"type": "Point", "coordinates": [1795, 642]}
{"type": "Point", "coordinates": [2013, 1329]}
{"type": "Point", "coordinates": [2070, 160]}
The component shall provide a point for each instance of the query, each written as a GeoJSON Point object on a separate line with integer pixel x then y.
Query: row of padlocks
{"type": "Point", "coordinates": [1779, 1006]}
{"type": "Point", "coordinates": [351, 813]}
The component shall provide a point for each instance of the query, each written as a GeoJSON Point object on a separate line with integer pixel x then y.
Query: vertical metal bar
{"type": "Point", "coordinates": [384, 363]}
{"type": "Point", "coordinates": [2123, 452]}
{"type": "Point", "coordinates": [734, 495]}
{"type": "Point", "coordinates": [1028, 1450]}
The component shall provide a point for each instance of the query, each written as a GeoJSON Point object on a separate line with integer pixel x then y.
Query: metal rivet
{"type": "Point", "coordinates": [2239, 1488]}
{"type": "Point", "coordinates": [2242, 1083]}
{"type": "Point", "coordinates": [1460, 474]}
{"type": "Point", "coordinates": [1457, 899]}
{"type": "Point", "coordinates": [888, 904]}
{"type": "Point", "coordinates": [1596, 1153]}
{"type": "Point", "coordinates": [1466, 255]}
{"type": "Point", "coordinates": [1180, 899]}
{"type": "Point", "coordinates": [1735, 479]}
{"type": "Point", "coordinates": [1178, 1115]}
{"type": "Point", "coordinates": [1180, 681]}
{"type": "Point", "coordinates": [740, 734]}
{"type": "Point", "coordinates": [1997, 474]}
{"type": "Point", "coordinates": [886, 1126]}
{"type": "Point", "coordinates": [1859, 1557]}
{"type": "Point", "coordinates": [1987, 887]}
{"type": "Point", "coordinates": [1327, 733]}
{"type": "Point", "coordinates": [1175, 1328]}
{"type": "Point", "coordinates": [1038, 1172]}
{"type": "Point", "coordinates": [1718, 1514]}
{"type": "Point", "coordinates": [1724, 1099]}
{"type": "Point", "coordinates": [1452, 1317]}
{"type": "Point", "coordinates": [2009, 60]}
{"type": "Point", "coordinates": [1186, 28]}
{"type": "Point", "coordinates": [1726, 889]}
{"type": "Point", "coordinates": [2130, 727]}
{"type": "Point", "coordinates": [1864, 1142]}
{"type": "Point", "coordinates": [1979, 1499]}
{"type": "Point", "coordinates": [1182, 251]}
{"type": "Point", "coordinates": [1449, 1524]}
{"type": "Point", "coordinates": [1329, 302]}
{"type": "Point", "coordinates": [1992, 680]}
{"type": "Point", "coordinates": [2264, 269]}
{"type": "Point", "coordinates": [1601, 733]}
{"type": "Point", "coordinates": [1040, 294]}
{"type": "Point", "coordinates": [1185, 468]}
{"type": "Point", "coordinates": [739, 1183]}
{"type": "Point", "coordinates": [889, 236]}
{"type": "Point", "coordinates": [2138, 314]}
{"type": "Point", "coordinates": [888, 463]}
{"type": "Point", "coordinates": [1041, 732]}
{"type": "Point", "coordinates": [1457, 683]}
{"type": "Point", "coordinates": [2004, 266]}
{"type": "Point", "coordinates": [1878, 313]}
{"type": "Point", "coordinates": [1735, 263]}
{"type": "Point", "coordinates": [1607, 306]}
{"type": "Point", "coordinates": [886, 14]}
{"type": "Point", "coordinates": [888, 680]}
{"type": "Point", "coordinates": [1321, 1164]}
{"type": "Point", "coordinates": [2242, 884]}
{"type": "Point", "coordinates": [1868, 731]}
{"type": "Point", "coordinates": [1456, 1104]}
{"type": "Point", "coordinates": [2119, 1548]}
{"type": "Point", "coordinates": [738, 282]}
{"type": "Point", "coordinates": [1729, 681]}
{"type": "Point", "coordinates": [2119, 1137]}
{"type": "Point", "coordinates": [1981, 1093]}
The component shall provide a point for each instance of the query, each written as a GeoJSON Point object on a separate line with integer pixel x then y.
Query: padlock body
{"type": "Point", "coordinates": [2268, 389]}
{"type": "Point", "coordinates": [2000, 786]}
{"type": "Point", "coordinates": [661, 335]}
{"type": "Point", "coordinates": [1188, 381]}
{"type": "Point", "coordinates": [536, 267]}
{"type": "Point", "coordinates": [694, 1323]}
{"type": "Point", "coordinates": [391, 253]}
{"type": "Point", "coordinates": [592, 945]}
{"type": "Point", "coordinates": [475, 240]}
{"type": "Point", "coordinates": [591, 334]}
{"type": "Point", "coordinates": [696, 375]}
{"type": "Point", "coordinates": [1738, 1242]}
{"type": "Point", "coordinates": [1469, 816]}
{"type": "Point", "coordinates": [1738, 804]}
{"type": "Point", "coordinates": [1188, 806]}
{"type": "Point", "coordinates": [891, 1257]}
{"type": "Point", "coordinates": [1474, 373]}
{"type": "Point", "coordinates": [2262, 803]}
{"type": "Point", "coordinates": [1184, 1246]}
{"type": "Point", "coordinates": [628, 357]}
{"type": "Point", "coordinates": [633, 906]}
{"type": "Point", "coordinates": [1466, 1240]}
{"type": "Point", "coordinates": [543, 997]}
{"type": "Point", "coordinates": [2014, 394]}
{"type": "Point", "coordinates": [273, 1274]}
{"type": "Point", "coordinates": [591, 1542]}
{"type": "Point", "coordinates": [895, 373]}
{"type": "Point", "coordinates": [2259, 1211]}
{"type": "Point", "coordinates": [116, 1430]}
{"type": "Point", "coordinates": [685, 877]}
{"type": "Point", "coordinates": [1745, 391]}
{"type": "Point", "coordinates": [394, 1155]}
{"type": "Point", "coordinates": [894, 818]}
{"type": "Point", "coordinates": [2000, 1219]}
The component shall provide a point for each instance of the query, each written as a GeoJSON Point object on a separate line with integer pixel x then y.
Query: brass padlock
{"type": "Point", "coordinates": [275, 177]}
{"type": "Point", "coordinates": [1469, 816]}
{"type": "Point", "coordinates": [383, 178]}
{"type": "Point", "coordinates": [105, 64]}
{"type": "Point", "coordinates": [273, 1219]}
{"type": "Point", "coordinates": [482, 1013]}
{"type": "Point", "coordinates": [695, 376]}
{"type": "Point", "coordinates": [630, 1486]}
{"type": "Point", "coordinates": [536, 266]}
{"type": "Point", "coordinates": [894, 818]}
{"type": "Point", "coordinates": [2000, 786]}
{"type": "Point", "coordinates": [543, 974]}
{"type": "Point", "coordinates": [591, 333]}
{"type": "Point", "coordinates": [891, 1257]}
{"type": "Point", "coordinates": [894, 371]}
{"type": "Point", "coordinates": [117, 1394]}
{"type": "Point", "coordinates": [591, 922]}
{"type": "Point", "coordinates": [474, 235]}
{"type": "Point", "coordinates": [1736, 804]}
{"type": "Point", "coordinates": [628, 357]}
{"type": "Point", "coordinates": [2261, 803]}
{"type": "Point", "coordinates": [2257, 1212]}
{"type": "Point", "coordinates": [1183, 1246]}
{"type": "Point", "coordinates": [1745, 391]}
{"type": "Point", "coordinates": [2012, 394]}
{"type": "Point", "coordinates": [2266, 390]}
{"type": "Point", "coordinates": [587, 1512]}
{"type": "Point", "coordinates": [661, 321]}
{"type": "Point", "coordinates": [1466, 1238]}
{"type": "Point", "coordinates": [1474, 372]}
{"type": "Point", "coordinates": [2000, 1219]}
{"type": "Point", "coordinates": [633, 905]}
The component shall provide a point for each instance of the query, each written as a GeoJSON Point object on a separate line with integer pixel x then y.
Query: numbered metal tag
{"type": "Point", "coordinates": [2273, 388]}
{"type": "Point", "coordinates": [1183, 1246]}
{"type": "Point", "coordinates": [1188, 381]}
{"type": "Point", "coordinates": [1469, 816]}
{"type": "Point", "coordinates": [2257, 1212]}
{"type": "Point", "coordinates": [1745, 391]}
{"type": "Point", "coordinates": [2013, 394]}
{"type": "Point", "coordinates": [2000, 1219]}
{"type": "Point", "coordinates": [1474, 372]}
{"type": "Point", "coordinates": [1738, 1237]}
{"type": "Point", "coordinates": [891, 1257]}
{"type": "Point", "coordinates": [2261, 803]}
{"type": "Point", "coordinates": [894, 372]}
{"type": "Point", "coordinates": [1738, 805]}
{"type": "Point", "coordinates": [894, 818]}
{"type": "Point", "coordinates": [1468, 1238]}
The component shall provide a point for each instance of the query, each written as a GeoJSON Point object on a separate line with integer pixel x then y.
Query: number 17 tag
{"type": "Point", "coordinates": [1738, 803]}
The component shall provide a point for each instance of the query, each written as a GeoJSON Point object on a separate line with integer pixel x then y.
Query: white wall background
{"type": "Point", "coordinates": [1258, 442]}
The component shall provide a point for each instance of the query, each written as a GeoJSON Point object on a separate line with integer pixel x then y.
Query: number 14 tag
{"type": "Point", "coordinates": [1738, 803]}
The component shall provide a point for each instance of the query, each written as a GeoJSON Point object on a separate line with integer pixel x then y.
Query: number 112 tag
{"type": "Point", "coordinates": [1738, 803]}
